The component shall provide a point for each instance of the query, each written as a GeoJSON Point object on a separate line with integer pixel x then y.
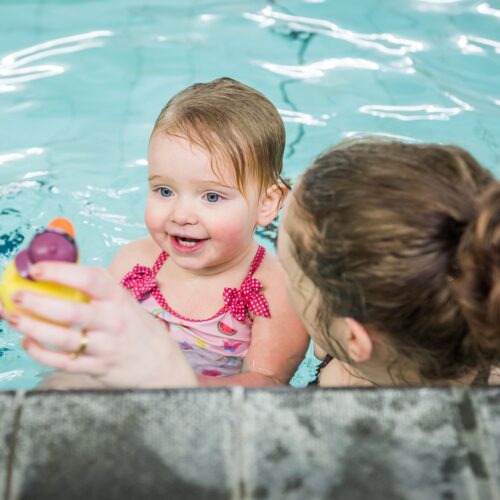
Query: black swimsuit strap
{"type": "Point", "coordinates": [327, 359]}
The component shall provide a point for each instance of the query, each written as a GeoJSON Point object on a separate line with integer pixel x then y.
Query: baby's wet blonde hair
{"type": "Point", "coordinates": [236, 125]}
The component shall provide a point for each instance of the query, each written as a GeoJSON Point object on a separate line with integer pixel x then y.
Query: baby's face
{"type": "Point", "coordinates": [200, 219]}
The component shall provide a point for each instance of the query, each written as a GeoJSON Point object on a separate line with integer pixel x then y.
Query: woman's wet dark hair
{"type": "Point", "coordinates": [405, 239]}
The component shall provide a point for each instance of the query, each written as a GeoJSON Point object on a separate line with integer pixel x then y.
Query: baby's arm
{"type": "Point", "coordinates": [278, 343]}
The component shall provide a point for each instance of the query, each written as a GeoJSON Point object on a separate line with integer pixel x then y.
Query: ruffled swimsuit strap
{"type": "Point", "coordinates": [159, 262]}
{"type": "Point", "coordinates": [257, 260]}
{"type": "Point", "coordinates": [141, 280]}
{"type": "Point", "coordinates": [240, 302]}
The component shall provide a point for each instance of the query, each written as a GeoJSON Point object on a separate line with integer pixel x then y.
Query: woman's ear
{"type": "Point", "coordinates": [359, 341]}
{"type": "Point", "coordinates": [269, 204]}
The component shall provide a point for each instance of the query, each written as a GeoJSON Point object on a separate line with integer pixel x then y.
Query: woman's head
{"type": "Point", "coordinates": [236, 125]}
{"type": "Point", "coordinates": [404, 240]}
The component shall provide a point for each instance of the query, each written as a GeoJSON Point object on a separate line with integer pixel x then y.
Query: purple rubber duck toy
{"type": "Point", "coordinates": [55, 243]}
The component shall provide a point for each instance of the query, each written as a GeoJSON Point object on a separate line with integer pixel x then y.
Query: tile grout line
{"type": "Point", "coordinates": [484, 445]}
{"type": "Point", "coordinates": [238, 481]}
{"type": "Point", "coordinates": [474, 440]}
{"type": "Point", "coordinates": [16, 424]}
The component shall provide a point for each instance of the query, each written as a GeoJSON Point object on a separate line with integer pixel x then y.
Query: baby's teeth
{"type": "Point", "coordinates": [186, 243]}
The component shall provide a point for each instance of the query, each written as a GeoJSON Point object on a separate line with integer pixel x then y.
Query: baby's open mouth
{"type": "Point", "coordinates": [187, 242]}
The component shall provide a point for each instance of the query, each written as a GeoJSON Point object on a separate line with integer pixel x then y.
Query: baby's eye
{"type": "Point", "coordinates": [165, 192]}
{"type": "Point", "coordinates": [213, 197]}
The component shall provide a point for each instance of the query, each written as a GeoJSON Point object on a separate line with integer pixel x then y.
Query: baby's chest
{"type": "Point", "coordinates": [197, 302]}
{"type": "Point", "coordinates": [221, 329]}
{"type": "Point", "coordinates": [224, 334]}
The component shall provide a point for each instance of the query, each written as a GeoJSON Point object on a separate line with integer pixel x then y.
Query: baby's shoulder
{"type": "Point", "coordinates": [144, 251]}
{"type": "Point", "coordinates": [270, 272]}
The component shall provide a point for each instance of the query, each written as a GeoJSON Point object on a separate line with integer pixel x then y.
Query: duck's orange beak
{"type": "Point", "coordinates": [64, 225]}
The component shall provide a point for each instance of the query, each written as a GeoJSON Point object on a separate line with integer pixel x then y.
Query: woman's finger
{"type": "Point", "coordinates": [96, 282]}
{"type": "Point", "coordinates": [66, 312]}
{"type": "Point", "coordinates": [61, 361]}
{"type": "Point", "coordinates": [64, 339]}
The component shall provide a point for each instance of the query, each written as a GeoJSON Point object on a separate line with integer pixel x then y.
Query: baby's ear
{"type": "Point", "coordinates": [270, 203]}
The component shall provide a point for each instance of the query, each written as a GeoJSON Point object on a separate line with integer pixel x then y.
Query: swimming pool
{"type": "Point", "coordinates": [81, 83]}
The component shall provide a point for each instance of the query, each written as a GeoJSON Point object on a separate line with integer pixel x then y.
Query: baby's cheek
{"type": "Point", "coordinates": [227, 232]}
{"type": "Point", "coordinates": [148, 211]}
{"type": "Point", "coordinates": [231, 232]}
{"type": "Point", "coordinates": [149, 221]}
{"type": "Point", "coordinates": [152, 216]}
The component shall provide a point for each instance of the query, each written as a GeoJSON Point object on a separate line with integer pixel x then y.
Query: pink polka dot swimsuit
{"type": "Point", "coordinates": [215, 346]}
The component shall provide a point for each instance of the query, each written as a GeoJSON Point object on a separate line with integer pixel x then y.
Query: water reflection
{"type": "Point", "coordinates": [300, 117]}
{"type": "Point", "coordinates": [419, 111]}
{"type": "Point", "coordinates": [354, 134]}
{"type": "Point", "coordinates": [411, 113]}
{"type": "Point", "coordinates": [382, 42]}
{"type": "Point", "coordinates": [14, 69]}
{"type": "Point", "coordinates": [486, 9]}
{"type": "Point", "coordinates": [470, 44]}
{"type": "Point", "coordinates": [20, 155]}
{"type": "Point", "coordinates": [318, 69]}
{"type": "Point", "coordinates": [440, 2]}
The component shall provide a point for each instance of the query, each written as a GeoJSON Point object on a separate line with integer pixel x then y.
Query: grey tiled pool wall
{"type": "Point", "coordinates": [245, 444]}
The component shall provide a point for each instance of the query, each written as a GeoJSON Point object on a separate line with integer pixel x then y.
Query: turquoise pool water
{"type": "Point", "coordinates": [82, 81]}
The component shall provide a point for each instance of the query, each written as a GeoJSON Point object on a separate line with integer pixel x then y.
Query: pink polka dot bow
{"type": "Point", "coordinates": [140, 281]}
{"type": "Point", "coordinates": [246, 299]}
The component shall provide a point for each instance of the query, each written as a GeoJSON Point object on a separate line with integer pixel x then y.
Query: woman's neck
{"type": "Point", "coordinates": [412, 378]}
{"type": "Point", "coordinates": [341, 374]}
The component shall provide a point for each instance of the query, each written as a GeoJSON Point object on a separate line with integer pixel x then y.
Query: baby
{"type": "Point", "coordinates": [215, 159]}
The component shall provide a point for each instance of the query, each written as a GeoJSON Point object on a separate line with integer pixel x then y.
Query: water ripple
{"type": "Point", "coordinates": [419, 111]}
{"type": "Point", "coordinates": [300, 117]}
{"type": "Point", "coordinates": [10, 375]}
{"type": "Point", "coordinates": [411, 113]}
{"type": "Point", "coordinates": [19, 155]}
{"type": "Point", "coordinates": [13, 69]}
{"type": "Point", "coordinates": [485, 9]}
{"type": "Point", "coordinates": [470, 44]}
{"type": "Point", "coordinates": [435, 6]}
{"type": "Point", "coordinates": [382, 42]}
{"type": "Point", "coordinates": [318, 69]}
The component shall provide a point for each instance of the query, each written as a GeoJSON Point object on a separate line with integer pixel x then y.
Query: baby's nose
{"type": "Point", "coordinates": [184, 213]}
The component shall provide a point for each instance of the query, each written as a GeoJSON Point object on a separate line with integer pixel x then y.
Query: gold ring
{"type": "Point", "coordinates": [84, 341]}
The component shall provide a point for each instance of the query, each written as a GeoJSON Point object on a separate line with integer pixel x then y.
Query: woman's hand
{"type": "Point", "coordinates": [111, 338]}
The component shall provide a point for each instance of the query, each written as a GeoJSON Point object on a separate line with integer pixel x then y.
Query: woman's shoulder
{"type": "Point", "coordinates": [143, 251]}
{"type": "Point", "coordinates": [494, 376]}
